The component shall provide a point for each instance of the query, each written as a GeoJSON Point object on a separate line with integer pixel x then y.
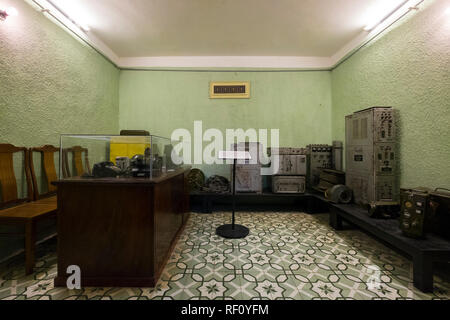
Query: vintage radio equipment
{"type": "Point", "coordinates": [248, 172]}
{"type": "Point", "coordinates": [123, 163]}
{"type": "Point", "coordinates": [290, 164]}
{"type": "Point", "coordinates": [414, 214]}
{"type": "Point", "coordinates": [319, 157]}
{"type": "Point", "coordinates": [248, 178]}
{"type": "Point", "coordinates": [288, 184]}
{"type": "Point", "coordinates": [291, 161]}
{"type": "Point", "coordinates": [424, 211]}
{"type": "Point", "coordinates": [292, 168]}
{"type": "Point", "coordinates": [106, 169]}
{"type": "Point", "coordinates": [287, 151]}
{"type": "Point", "coordinates": [371, 170]}
{"type": "Point", "coordinates": [142, 164]}
{"type": "Point", "coordinates": [329, 178]}
{"type": "Point", "coordinates": [282, 150]}
{"type": "Point", "coordinates": [302, 151]}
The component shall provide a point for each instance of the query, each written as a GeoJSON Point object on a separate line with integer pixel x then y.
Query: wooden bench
{"type": "Point", "coordinates": [424, 252]}
{"type": "Point", "coordinates": [23, 212]}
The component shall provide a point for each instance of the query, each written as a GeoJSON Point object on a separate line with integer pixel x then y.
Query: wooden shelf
{"type": "Point", "coordinates": [308, 202]}
{"type": "Point", "coordinates": [424, 252]}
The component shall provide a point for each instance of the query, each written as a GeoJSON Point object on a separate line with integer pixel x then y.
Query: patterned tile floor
{"type": "Point", "coordinates": [286, 256]}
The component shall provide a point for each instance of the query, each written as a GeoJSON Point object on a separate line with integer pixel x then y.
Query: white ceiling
{"type": "Point", "coordinates": [292, 30]}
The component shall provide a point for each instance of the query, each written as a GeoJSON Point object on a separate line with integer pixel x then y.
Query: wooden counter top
{"type": "Point", "coordinates": [123, 180]}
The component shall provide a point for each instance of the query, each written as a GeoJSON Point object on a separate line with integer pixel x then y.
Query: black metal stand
{"type": "Point", "coordinates": [233, 231]}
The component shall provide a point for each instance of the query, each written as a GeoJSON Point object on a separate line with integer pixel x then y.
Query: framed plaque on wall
{"type": "Point", "coordinates": [229, 90]}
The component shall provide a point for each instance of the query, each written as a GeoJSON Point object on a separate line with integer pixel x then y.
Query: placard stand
{"type": "Point", "coordinates": [233, 230]}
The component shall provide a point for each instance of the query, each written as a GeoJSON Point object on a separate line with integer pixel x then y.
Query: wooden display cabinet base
{"type": "Point", "coordinates": [119, 232]}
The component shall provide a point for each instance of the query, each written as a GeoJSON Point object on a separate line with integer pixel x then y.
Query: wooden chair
{"type": "Point", "coordinates": [20, 211]}
{"type": "Point", "coordinates": [49, 169]}
{"type": "Point", "coordinates": [77, 158]}
{"type": "Point", "coordinates": [8, 183]}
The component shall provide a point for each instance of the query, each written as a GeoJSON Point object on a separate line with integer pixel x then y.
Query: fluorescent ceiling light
{"type": "Point", "coordinates": [69, 10]}
{"type": "Point", "coordinates": [384, 9]}
{"type": "Point", "coordinates": [72, 11]}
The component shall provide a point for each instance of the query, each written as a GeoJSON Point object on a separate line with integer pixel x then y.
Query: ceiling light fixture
{"type": "Point", "coordinates": [82, 26]}
{"type": "Point", "coordinates": [50, 7]}
{"type": "Point", "coordinates": [386, 10]}
{"type": "Point", "coordinates": [10, 12]}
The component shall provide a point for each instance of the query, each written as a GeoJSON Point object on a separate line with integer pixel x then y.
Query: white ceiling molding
{"type": "Point", "coordinates": [257, 62]}
{"type": "Point", "coordinates": [224, 62]}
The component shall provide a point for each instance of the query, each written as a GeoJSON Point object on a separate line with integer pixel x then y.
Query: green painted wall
{"type": "Point", "coordinates": [407, 68]}
{"type": "Point", "coordinates": [297, 103]}
{"type": "Point", "coordinates": [50, 83]}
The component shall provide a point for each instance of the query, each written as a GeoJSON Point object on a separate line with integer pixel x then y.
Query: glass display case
{"type": "Point", "coordinates": [102, 156]}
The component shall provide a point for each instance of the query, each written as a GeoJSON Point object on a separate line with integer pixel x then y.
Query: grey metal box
{"type": "Point", "coordinates": [288, 184]}
{"type": "Point", "coordinates": [279, 151]}
{"type": "Point", "coordinates": [319, 157]}
{"type": "Point", "coordinates": [371, 169]}
{"type": "Point", "coordinates": [248, 178]}
{"type": "Point", "coordinates": [248, 172]}
{"type": "Point", "coordinates": [302, 151]}
{"type": "Point", "coordinates": [291, 165]}
{"type": "Point", "coordinates": [287, 151]}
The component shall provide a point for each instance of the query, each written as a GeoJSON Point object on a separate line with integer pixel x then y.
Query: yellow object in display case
{"type": "Point", "coordinates": [127, 147]}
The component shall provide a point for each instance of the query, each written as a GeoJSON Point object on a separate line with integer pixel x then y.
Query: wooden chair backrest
{"type": "Point", "coordinates": [48, 161]}
{"type": "Point", "coordinates": [8, 183]}
{"type": "Point", "coordinates": [77, 158]}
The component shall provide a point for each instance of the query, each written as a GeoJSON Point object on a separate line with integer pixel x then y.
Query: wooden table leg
{"type": "Point", "coordinates": [335, 219]}
{"type": "Point", "coordinates": [30, 246]}
{"type": "Point", "coordinates": [423, 272]}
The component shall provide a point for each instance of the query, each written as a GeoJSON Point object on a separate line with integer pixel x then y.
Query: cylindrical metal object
{"type": "Point", "coordinates": [339, 194]}
{"type": "Point", "coordinates": [337, 155]}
